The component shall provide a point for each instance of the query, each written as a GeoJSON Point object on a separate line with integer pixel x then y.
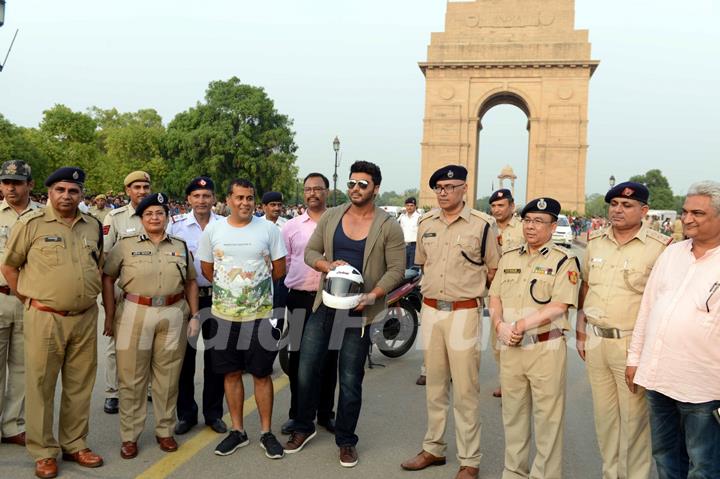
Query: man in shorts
{"type": "Point", "coordinates": [242, 256]}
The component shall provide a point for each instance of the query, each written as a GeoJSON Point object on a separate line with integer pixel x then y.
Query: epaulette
{"type": "Point", "coordinates": [514, 248]}
{"type": "Point", "coordinates": [180, 217]}
{"type": "Point", "coordinates": [31, 215]}
{"type": "Point", "coordinates": [563, 250]}
{"type": "Point", "coordinates": [430, 214]}
{"type": "Point", "coordinates": [117, 211]}
{"type": "Point", "coordinates": [90, 216]}
{"type": "Point", "coordinates": [177, 238]}
{"type": "Point", "coordinates": [657, 236]}
{"type": "Point", "coordinates": [567, 254]}
{"type": "Point", "coordinates": [480, 214]}
{"type": "Point", "coordinates": [596, 234]}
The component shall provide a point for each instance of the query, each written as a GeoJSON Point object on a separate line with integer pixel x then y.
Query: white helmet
{"type": "Point", "coordinates": [343, 288]}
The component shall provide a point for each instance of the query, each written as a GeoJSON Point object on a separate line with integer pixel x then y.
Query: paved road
{"type": "Point", "coordinates": [391, 429]}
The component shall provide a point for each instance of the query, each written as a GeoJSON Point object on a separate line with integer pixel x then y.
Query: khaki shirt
{"type": "Point", "coordinates": [59, 264]}
{"type": "Point", "coordinates": [512, 235]}
{"type": "Point", "coordinates": [119, 223]}
{"type": "Point", "coordinates": [526, 281]}
{"type": "Point", "coordinates": [8, 218]}
{"type": "Point", "coordinates": [448, 274]}
{"type": "Point", "coordinates": [616, 275]}
{"type": "Point", "coordinates": [100, 213]}
{"type": "Point", "coordinates": [149, 270]}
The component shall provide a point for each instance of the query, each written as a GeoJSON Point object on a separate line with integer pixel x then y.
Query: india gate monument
{"type": "Point", "coordinates": [525, 53]}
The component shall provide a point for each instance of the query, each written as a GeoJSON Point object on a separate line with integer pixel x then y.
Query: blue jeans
{"type": "Point", "coordinates": [409, 254]}
{"type": "Point", "coordinates": [685, 438]}
{"type": "Point", "coordinates": [323, 333]}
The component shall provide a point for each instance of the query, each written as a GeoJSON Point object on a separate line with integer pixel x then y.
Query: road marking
{"type": "Point", "coordinates": [168, 464]}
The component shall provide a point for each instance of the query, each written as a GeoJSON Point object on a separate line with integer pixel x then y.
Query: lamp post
{"type": "Point", "coordinates": [336, 147]}
{"type": "Point", "coordinates": [2, 12]}
{"type": "Point", "coordinates": [611, 181]}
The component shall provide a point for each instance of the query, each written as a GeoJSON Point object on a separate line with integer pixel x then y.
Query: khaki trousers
{"type": "Point", "coordinates": [533, 384]}
{"type": "Point", "coordinates": [53, 345]}
{"type": "Point", "coordinates": [621, 417]}
{"type": "Point", "coordinates": [12, 367]}
{"type": "Point", "coordinates": [111, 376]}
{"type": "Point", "coordinates": [452, 350]}
{"type": "Point", "coordinates": [151, 344]}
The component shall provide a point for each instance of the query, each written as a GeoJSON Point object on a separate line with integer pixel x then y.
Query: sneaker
{"type": "Point", "coordinates": [348, 456]}
{"type": "Point", "coordinates": [272, 447]}
{"type": "Point", "coordinates": [297, 441]}
{"type": "Point", "coordinates": [234, 441]}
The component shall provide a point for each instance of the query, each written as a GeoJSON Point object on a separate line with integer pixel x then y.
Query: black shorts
{"type": "Point", "coordinates": [249, 346]}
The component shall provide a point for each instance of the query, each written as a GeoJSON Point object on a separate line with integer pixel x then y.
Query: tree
{"type": "Point", "coordinates": [483, 204]}
{"type": "Point", "coordinates": [17, 143]}
{"type": "Point", "coordinates": [595, 205]}
{"type": "Point", "coordinates": [236, 132]}
{"type": "Point", "coordinates": [661, 195]}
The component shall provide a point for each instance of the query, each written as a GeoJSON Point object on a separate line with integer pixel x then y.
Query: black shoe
{"type": "Point", "coordinates": [217, 425]}
{"type": "Point", "coordinates": [328, 424]}
{"type": "Point", "coordinates": [234, 441]}
{"type": "Point", "coordinates": [272, 447]}
{"type": "Point", "coordinates": [111, 406]}
{"type": "Point", "coordinates": [183, 426]}
{"type": "Point", "coordinates": [288, 427]}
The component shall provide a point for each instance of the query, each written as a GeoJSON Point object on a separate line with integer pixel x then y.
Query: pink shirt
{"type": "Point", "coordinates": [676, 341]}
{"type": "Point", "coordinates": [296, 234]}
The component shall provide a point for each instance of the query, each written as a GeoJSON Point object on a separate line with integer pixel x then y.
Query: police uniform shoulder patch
{"type": "Point", "coordinates": [31, 215]}
{"type": "Point", "coordinates": [428, 215]}
{"type": "Point", "coordinates": [488, 219]}
{"type": "Point", "coordinates": [596, 234]}
{"type": "Point", "coordinates": [657, 236]}
{"type": "Point", "coordinates": [514, 248]}
{"type": "Point", "coordinates": [117, 211]}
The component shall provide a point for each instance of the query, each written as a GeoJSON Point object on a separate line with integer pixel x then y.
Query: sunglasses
{"type": "Point", "coordinates": [363, 184]}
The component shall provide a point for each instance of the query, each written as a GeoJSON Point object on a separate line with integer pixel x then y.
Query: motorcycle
{"type": "Point", "coordinates": [395, 334]}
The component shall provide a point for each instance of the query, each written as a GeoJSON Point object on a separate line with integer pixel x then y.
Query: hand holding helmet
{"type": "Point", "coordinates": [343, 287]}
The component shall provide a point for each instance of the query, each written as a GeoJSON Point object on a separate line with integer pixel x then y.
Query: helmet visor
{"type": "Point", "coordinates": [342, 287]}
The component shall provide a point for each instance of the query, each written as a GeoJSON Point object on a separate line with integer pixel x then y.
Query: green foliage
{"type": "Point", "coordinates": [391, 198]}
{"type": "Point", "coordinates": [483, 204]}
{"type": "Point", "coordinates": [595, 205]}
{"type": "Point", "coordinates": [235, 133]}
{"type": "Point", "coordinates": [661, 195]}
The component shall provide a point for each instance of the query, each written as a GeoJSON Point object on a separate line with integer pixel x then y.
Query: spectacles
{"type": "Point", "coordinates": [535, 221]}
{"type": "Point", "coordinates": [156, 214]}
{"type": "Point", "coordinates": [713, 288]}
{"type": "Point", "coordinates": [314, 189]}
{"type": "Point", "coordinates": [446, 188]}
{"type": "Point", "coordinates": [363, 184]}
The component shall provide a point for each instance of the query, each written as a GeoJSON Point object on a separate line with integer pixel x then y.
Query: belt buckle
{"type": "Point", "coordinates": [527, 340]}
{"type": "Point", "coordinates": [444, 305]}
{"type": "Point", "coordinates": [158, 301]}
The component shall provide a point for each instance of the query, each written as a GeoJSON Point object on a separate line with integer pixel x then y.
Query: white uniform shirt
{"type": "Point", "coordinates": [409, 225]}
{"type": "Point", "coordinates": [186, 227]}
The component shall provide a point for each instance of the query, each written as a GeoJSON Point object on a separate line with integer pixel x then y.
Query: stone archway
{"type": "Point", "coordinates": [525, 53]}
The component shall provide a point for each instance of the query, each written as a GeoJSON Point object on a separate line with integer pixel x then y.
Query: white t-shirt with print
{"type": "Point", "coordinates": [242, 261]}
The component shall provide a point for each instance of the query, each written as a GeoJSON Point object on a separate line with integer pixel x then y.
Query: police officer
{"type": "Point", "coordinates": [458, 250]}
{"type": "Point", "coordinates": [100, 209]}
{"type": "Point", "coordinates": [16, 183]}
{"type": "Point", "coordinates": [51, 263]}
{"type": "Point", "coordinates": [617, 265]}
{"type": "Point", "coordinates": [535, 285]}
{"type": "Point", "coordinates": [157, 278]}
{"type": "Point", "coordinates": [200, 193]}
{"type": "Point", "coordinates": [119, 223]}
{"type": "Point", "coordinates": [502, 208]}
{"type": "Point", "coordinates": [272, 205]}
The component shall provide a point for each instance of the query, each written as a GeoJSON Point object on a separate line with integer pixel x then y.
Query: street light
{"type": "Point", "coordinates": [336, 147]}
{"type": "Point", "coordinates": [612, 181]}
{"type": "Point", "coordinates": [2, 12]}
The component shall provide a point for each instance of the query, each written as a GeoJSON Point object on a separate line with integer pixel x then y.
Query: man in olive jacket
{"type": "Point", "coordinates": [364, 236]}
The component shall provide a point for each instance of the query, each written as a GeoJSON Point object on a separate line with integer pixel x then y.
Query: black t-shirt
{"type": "Point", "coordinates": [347, 249]}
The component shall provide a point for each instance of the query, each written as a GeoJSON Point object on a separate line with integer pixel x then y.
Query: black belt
{"type": "Point", "coordinates": [300, 291]}
{"type": "Point", "coordinates": [204, 291]}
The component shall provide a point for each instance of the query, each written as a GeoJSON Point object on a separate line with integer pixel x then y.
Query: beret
{"type": "Point", "coordinates": [100, 197]}
{"type": "Point", "coordinates": [66, 173]}
{"type": "Point", "coordinates": [136, 176]}
{"type": "Point", "coordinates": [411, 200]}
{"type": "Point", "coordinates": [503, 194]}
{"type": "Point", "coordinates": [449, 172]}
{"type": "Point", "coordinates": [200, 183]}
{"type": "Point", "coordinates": [271, 196]}
{"type": "Point", "coordinates": [630, 190]}
{"type": "Point", "coordinates": [154, 199]}
{"type": "Point", "coordinates": [542, 205]}
{"type": "Point", "coordinates": [15, 170]}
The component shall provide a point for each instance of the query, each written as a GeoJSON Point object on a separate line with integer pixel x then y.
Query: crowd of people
{"type": "Point", "coordinates": [220, 266]}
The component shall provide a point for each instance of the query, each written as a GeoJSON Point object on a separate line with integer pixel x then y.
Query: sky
{"type": "Point", "coordinates": [349, 68]}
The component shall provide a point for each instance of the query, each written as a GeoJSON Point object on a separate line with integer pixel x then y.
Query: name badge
{"type": "Point", "coordinates": [541, 270]}
{"type": "Point", "coordinates": [142, 253]}
{"type": "Point", "coordinates": [130, 230]}
{"type": "Point", "coordinates": [512, 271]}
{"type": "Point", "coordinates": [53, 239]}
{"type": "Point", "coordinates": [429, 235]}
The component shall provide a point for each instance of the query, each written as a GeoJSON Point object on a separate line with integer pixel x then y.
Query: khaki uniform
{"type": "Point", "coordinates": [616, 276]}
{"type": "Point", "coordinates": [532, 376]}
{"type": "Point", "coordinates": [59, 268]}
{"type": "Point", "coordinates": [119, 223]}
{"type": "Point", "coordinates": [150, 340]}
{"type": "Point", "coordinates": [455, 259]}
{"type": "Point", "coordinates": [12, 363]}
{"type": "Point", "coordinates": [678, 234]}
{"type": "Point", "coordinates": [100, 213]}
